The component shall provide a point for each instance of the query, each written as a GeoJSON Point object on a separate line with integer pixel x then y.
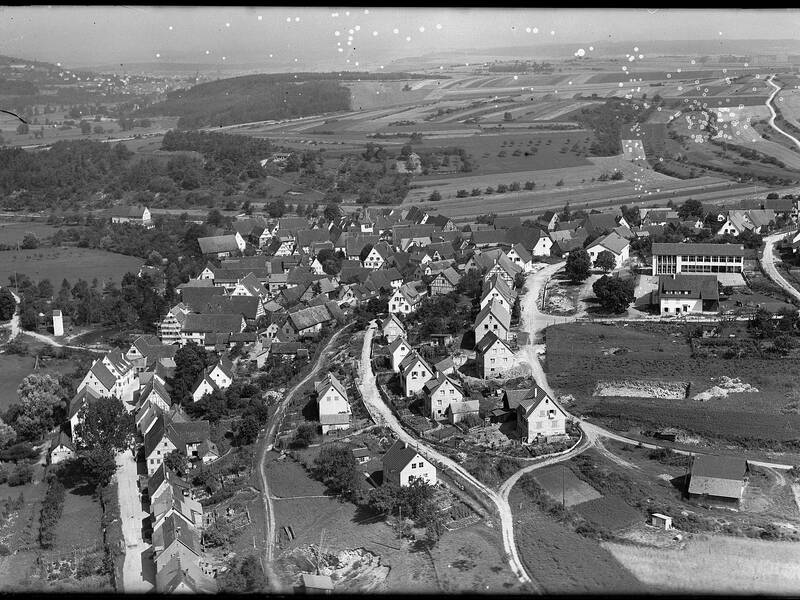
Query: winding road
{"type": "Point", "coordinates": [768, 263]}
{"type": "Point", "coordinates": [774, 114]}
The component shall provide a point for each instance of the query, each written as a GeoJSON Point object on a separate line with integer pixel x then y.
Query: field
{"type": "Point", "coordinates": [715, 565]}
{"type": "Point", "coordinates": [56, 263]}
{"type": "Point", "coordinates": [560, 560]}
{"type": "Point", "coordinates": [576, 491]}
{"type": "Point", "coordinates": [11, 233]}
{"type": "Point", "coordinates": [578, 353]}
{"type": "Point", "coordinates": [79, 526]}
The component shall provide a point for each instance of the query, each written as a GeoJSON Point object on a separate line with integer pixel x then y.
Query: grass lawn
{"type": "Point", "coordinates": [575, 490]}
{"type": "Point", "coordinates": [79, 525]}
{"type": "Point", "coordinates": [580, 355]}
{"type": "Point", "coordinates": [11, 233]}
{"type": "Point", "coordinates": [72, 263]}
{"type": "Point", "coordinates": [561, 561]}
{"type": "Point", "coordinates": [715, 565]}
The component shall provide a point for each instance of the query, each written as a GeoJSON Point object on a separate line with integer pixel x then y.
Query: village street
{"type": "Point", "coordinates": [138, 568]}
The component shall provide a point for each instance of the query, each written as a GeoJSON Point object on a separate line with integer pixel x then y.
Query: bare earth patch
{"type": "Point", "coordinates": [667, 390]}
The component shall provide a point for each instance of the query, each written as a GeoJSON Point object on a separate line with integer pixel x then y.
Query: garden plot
{"type": "Point", "coordinates": [554, 480]}
{"type": "Point", "coordinates": [638, 388]}
{"type": "Point", "coordinates": [355, 571]}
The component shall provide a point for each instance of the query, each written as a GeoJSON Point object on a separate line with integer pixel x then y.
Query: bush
{"type": "Point", "coordinates": [17, 452]}
{"type": "Point", "coordinates": [21, 475]}
{"type": "Point", "coordinates": [4, 550]}
{"type": "Point", "coordinates": [52, 507]}
{"type": "Point", "coordinates": [305, 434]}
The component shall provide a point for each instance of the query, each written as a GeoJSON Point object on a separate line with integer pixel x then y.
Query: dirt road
{"type": "Point", "coordinates": [266, 441]}
{"type": "Point", "coordinates": [768, 263]}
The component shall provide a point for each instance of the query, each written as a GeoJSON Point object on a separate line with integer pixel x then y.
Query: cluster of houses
{"type": "Point", "coordinates": [177, 522]}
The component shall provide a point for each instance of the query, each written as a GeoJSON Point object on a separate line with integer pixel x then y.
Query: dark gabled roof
{"type": "Point", "coordinates": [182, 568]}
{"type": "Point", "coordinates": [498, 311]}
{"type": "Point", "coordinates": [102, 372]}
{"type": "Point", "coordinates": [128, 212]}
{"type": "Point", "coordinates": [292, 223]}
{"type": "Point", "coordinates": [721, 467]}
{"type": "Point", "coordinates": [84, 395]}
{"type": "Point", "coordinates": [487, 341]}
{"type": "Point", "coordinates": [398, 456]}
{"type": "Point", "coordinates": [246, 227]}
{"type": "Point", "coordinates": [63, 440]}
{"type": "Point", "coordinates": [161, 474]}
{"type": "Point", "coordinates": [212, 323]}
{"type": "Point", "coordinates": [397, 342]}
{"type": "Point", "coordinates": [246, 306]}
{"type": "Point", "coordinates": [174, 528]}
{"type": "Point", "coordinates": [507, 221]}
{"type": "Point", "coordinates": [218, 243]}
{"type": "Point", "coordinates": [309, 317]}
{"type": "Point", "coordinates": [698, 249]}
{"type": "Point", "coordinates": [306, 237]}
{"type": "Point", "coordinates": [435, 383]}
{"type": "Point", "coordinates": [412, 358]}
{"type": "Point", "coordinates": [464, 407]}
{"type": "Point", "coordinates": [330, 381]}
{"type": "Point", "coordinates": [450, 274]}
{"type": "Point", "coordinates": [527, 236]}
{"type": "Point", "coordinates": [490, 236]}
{"type": "Point", "coordinates": [195, 298]}
{"type": "Point", "coordinates": [438, 220]}
{"type": "Point", "coordinates": [613, 242]}
{"type": "Point", "coordinates": [699, 286]}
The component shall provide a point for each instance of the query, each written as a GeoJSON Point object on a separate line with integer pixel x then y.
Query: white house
{"type": "Point", "coordinates": [614, 243]}
{"type": "Point", "coordinates": [402, 463]}
{"type": "Point", "coordinates": [398, 350]}
{"type": "Point", "coordinates": [440, 392]}
{"type": "Point", "coordinates": [62, 450]}
{"type": "Point", "coordinates": [405, 300]}
{"type": "Point", "coordinates": [492, 318]}
{"type": "Point", "coordinates": [392, 328]}
{"type": "Point", "coordinates": [493, 356]}
{"type": "Point", "coordinates": [521, 257]}
{"type": "Point", "coordinates": [539, 417]}
{"type": "Point", "coordinates": [377, 256]}
{"type": "Point", "coordinates": [334, 408]}
{"type": "Point", "coordinates": [495, 289]}
{"type": "Point", "coordinates": [414, 373]}
{"type": "Point", "coordinates": [680, 294]}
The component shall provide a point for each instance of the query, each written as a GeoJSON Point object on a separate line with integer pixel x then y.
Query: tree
{"type": "Point", "coordinates": [176, 461]}
{"type": "Point", "coordinates": [99, 465]}
{"type": "Point", "coordinates": [104, 423]}
{"type": "Point", "coordinates": [22, 129]}
{"type": "Point", "coordinates": [244, 575]}
{"type": "Point", "coordinates": [98, 129]}
{"type": "Point", "coordinates": [219, 535]}
{"type": "Point", "coordinates": [519, 281]}
{"type": "Point", "coordinates": [8, 305]}
{"type": "Point", "coordinates": [578, 265]}
{"type": "Point", "coordinates": [335, 466]}
{"type": "Point", "coordinates": [614, 294]}
{"type": "Point", "coordinates": [305, 434]}
{"type": "Point", "coordinates": [332, 212]}
{"type": "Point", "coordinates": [30, 241]}
{"type": "Point", "coordinates": [40, 396]}
{"type": "Point", "coordinates": [190, 360]}
{"type": "Point", "coordinates": [7, 434]}
{"type": "Point", "coordinates": [435, 196]}
{"type": "Point", "coordinates": [690, 208]}
{"type": "Point", "coordinates": [86, 128]}
{"type": "Point", "coordinates": [248, 431]}
{"type": "Point", "coordinates": [606, 261]}
{"type": "Point", "coordinates": [215, 218]}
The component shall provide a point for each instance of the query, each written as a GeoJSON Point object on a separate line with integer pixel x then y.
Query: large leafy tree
{"type": "Point", "coordinates": [40, 398]}
{"type": "Point", "coordinates": [104, 423]}
{"type": "Point", "coordinates": [578, 265]}
{"type": "Point", "coordinates": [614, 294]}
{"type": "Point", "coordinates": [190, 360]}
{"type": "Point", "coordinates": [7, 304]}
{"type": "Point", "coordinates": [335, 466]}
{"type": "Point", "coordinates": [99, 465]}
{"type": "Point", "coordinates": [605, 261]}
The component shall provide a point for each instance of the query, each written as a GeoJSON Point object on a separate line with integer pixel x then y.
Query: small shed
{"type": "Point", "coordinates": [317, 584]}
{"type": "Point", "coordinates": [361, 455]}
{"type": "Point", "coordinates": [661, 521]}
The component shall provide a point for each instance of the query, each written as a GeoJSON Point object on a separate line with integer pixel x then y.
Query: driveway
{"type": "Point", "coordinates": [134, 578]}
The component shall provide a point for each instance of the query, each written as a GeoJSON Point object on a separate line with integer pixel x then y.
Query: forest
{"type": "Point", "coordinates": [250, 98]}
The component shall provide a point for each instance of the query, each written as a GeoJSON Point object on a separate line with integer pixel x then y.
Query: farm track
{"type": "Point", "coordinates": [266, 442]}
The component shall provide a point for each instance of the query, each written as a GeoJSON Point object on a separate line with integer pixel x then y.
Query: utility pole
{"type": "Point", "coordinates": [563, 495]}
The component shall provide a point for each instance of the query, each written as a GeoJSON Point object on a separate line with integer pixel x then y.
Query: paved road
{"type": "Point", "coordinates": [265, 444]}
{"type": "Point", "coordinates": [768, 263]}
{"type": "Point", "coordinates": [774, 114]}
{"type": "Point", "coordinates": [130, 510]}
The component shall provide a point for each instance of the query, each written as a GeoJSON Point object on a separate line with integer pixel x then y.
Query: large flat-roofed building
{"type": "Point", "coordinates": [669, 259]}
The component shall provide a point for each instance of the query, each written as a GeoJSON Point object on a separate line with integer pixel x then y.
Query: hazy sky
{"type": "Point", "coordinates": [103, 35]}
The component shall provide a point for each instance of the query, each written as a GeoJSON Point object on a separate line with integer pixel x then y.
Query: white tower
{"type": "Point", "coordinates": [58, 323]}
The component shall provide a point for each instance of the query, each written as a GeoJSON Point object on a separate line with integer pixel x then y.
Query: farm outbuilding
{"type": "Point", "coordinates": [661, 521]}
{"type": "Point", "coordinates": [718, 477]}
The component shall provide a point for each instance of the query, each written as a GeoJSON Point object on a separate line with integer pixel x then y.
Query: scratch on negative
{"type": "Point", "coordinates": [13, 114]}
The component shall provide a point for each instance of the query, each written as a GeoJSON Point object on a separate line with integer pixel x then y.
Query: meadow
{"type": "Point", "coordinates": [72, 263]}
{"type": "Point", "coordinates": [13, 232]}
{"type": "Point", "coordinates": [15, 368]}
{"type": "Point", "coordinates": [714, 564]}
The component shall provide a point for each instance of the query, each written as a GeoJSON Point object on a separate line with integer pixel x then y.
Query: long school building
{"type": "Point", "coordinates": [669, 259]}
